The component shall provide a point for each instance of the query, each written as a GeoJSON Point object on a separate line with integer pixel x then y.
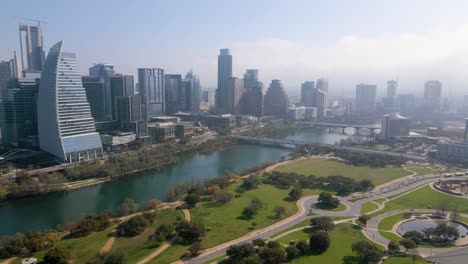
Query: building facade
{"type": "Point", "coordinates": [365, 98]}
{"type": "Point", "coordinates": [95, 93]}
{"type": "Point", "coordinates": [65, 124]}
{"type": "Point", "coordinates": [104, 71]}
{"type": "Point", "coordinates": [234, 93]}
{"type": "Point", "coordinates": [192, 90]}
{"type": "Point", "coordinates": [276, 101]}
{"type": "Point", "coordinates": [432, 95]}
{"type": "Point", "coordinates": [120, 86]}
{"type": "Point", "coordinates": [174, 92]}
{"type": "Point", "coordinates": [322, 84]}
{"type": "Point", "coordinates": [252, 98]}
{"type": "Point", "coordinates": [224, 73]}
{"type": "Point", "coordinates": [152, 92]}
{"type": "Point", "coordinates": [395, 126]}
{"type": "Point", "coordinates": [34, 47]}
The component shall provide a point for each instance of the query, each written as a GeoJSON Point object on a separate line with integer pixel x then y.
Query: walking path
{"type": "Point", "coordinates": [165, 245]}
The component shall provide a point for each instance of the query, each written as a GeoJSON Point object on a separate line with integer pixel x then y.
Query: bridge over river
{"type": "Point", "coordinates": [374, 129]}
{"type": "Point", "coordinates": [293, 143]}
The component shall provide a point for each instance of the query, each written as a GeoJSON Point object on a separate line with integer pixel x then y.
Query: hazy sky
{"type": "Point", "coordinates": [347, 42]}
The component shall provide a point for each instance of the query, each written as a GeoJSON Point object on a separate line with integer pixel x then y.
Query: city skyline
{"type": "Point", "coordinates": [350, 49]}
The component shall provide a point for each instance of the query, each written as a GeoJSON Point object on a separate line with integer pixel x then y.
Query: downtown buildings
{"type": "Point", "coordinates": [276, 101]}
{"type": "Point", "coordinates": [316, 96]}
{"type": "Point", "coordinates": [365, 98]}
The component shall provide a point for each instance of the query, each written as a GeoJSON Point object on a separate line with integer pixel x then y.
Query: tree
{"type": "Point", "coordinates": [366, 185]}
{"type": "Point", "coordinates": [292, 252]}
{"type": "Point", "coordinates": [295, 193]}
{"type": "Point", "coordinates": [319, 241]}
{"type": "Point", "coordinates": [408, 243]}
{"type": "Point", "coordinates": [195, 249]}
{"type": "Point", "coordinates": [128, 207]}
{"type": "Point", "coordinates": [192, 199]}
{"type": "Point", "coordinates": [190, 232]}
{"type": "Point", "coordinates": [302, 246]}
{"type": "Point", "coordinates": [163, 232]}
{"type": "Point", "coordinates": [322, 223]}
{"type": "Point", "coordinates": [393, 248]}
{"type": "Point", "coordinates": [279, 211]}
{"type": "Point", "coordinates": [57, 256]}
{"type": "Point", "coordinates": [415, 236]}
{"type": "Point", "coordinates": [153, 204]}
{"type": "Point", "coordinates": [327, 201]}
{"type": "Point", "coordinates": [367, 252]}
{"type": "Point", "coordinates": [238, 252]}
{"type": "Point", "coordinates": [363, 219]}
{"type": "Point", "coordinates": [223, 197]}
{"type": "Point", "coordinates": [248, 212]}
{"type": "Point", "coordinates": [116, 257]}
{"type": "Point", "coordinates": [272, 255]}
{"type": "Point", "coordinates": [133, 226]}
{"type": "Point", "coordinates": [250, 183]}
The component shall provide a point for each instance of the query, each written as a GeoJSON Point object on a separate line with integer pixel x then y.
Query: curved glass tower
{"type": "Point", "coordinates": [66, 127]}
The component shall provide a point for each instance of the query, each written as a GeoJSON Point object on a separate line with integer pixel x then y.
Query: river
{"type": "Point", "coordinates": [49, 210]}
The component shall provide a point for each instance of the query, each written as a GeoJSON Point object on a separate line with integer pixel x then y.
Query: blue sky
{"type": "Point", "coordinates": [346, 41]}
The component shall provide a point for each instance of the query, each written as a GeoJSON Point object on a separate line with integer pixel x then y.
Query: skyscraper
{"type": "Point", "coordinates": [276, 101]}
{"type": "Point", "coordinates": [95, 90]}
{"type": "Point", "coordinates": [35, 55]}
{"type": "Point", "coordinates": [191, 85]}
{"type": "Point", "coordinates": [104, 71]}
{"type": "Point", "coordinates": [174, 93]}
{"type": "Point", "coordinates": [224, 73]}
{"type": "Point", "coordinates": [66, 127]}
{"type": "Point", "coordinates": [128, 108]}
{"type": "Point", "coordinates": [365, 98]}
{"type": "Point", "coordinates": [306, 93]}
{"type": "Point", "coordinates": [151, 82]}
{"type": "Point", "coordinates": [120, 86]}
{"type": "Point", "coordinates": [252, 98]}
{"type": "Point", "coordinates": [432, 95]}
{"type": "Point", "coordinates": [235, 89]}
{"type": "Point", "coordinates": [322, 84]}
{"type": "Point", "coordinates": [391, 88]}
{"type": "Point", "coordinates": [19, 113]}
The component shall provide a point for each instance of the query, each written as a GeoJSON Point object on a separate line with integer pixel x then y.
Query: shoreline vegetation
{"type": "Point", "coordinates": [102, 171]}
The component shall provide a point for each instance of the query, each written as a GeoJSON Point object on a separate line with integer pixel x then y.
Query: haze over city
{"type": "Point", "coordinates": [346, 42]}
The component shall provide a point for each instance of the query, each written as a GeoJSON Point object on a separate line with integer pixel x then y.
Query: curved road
{"type": "Point", "coordinates": [395, 188]}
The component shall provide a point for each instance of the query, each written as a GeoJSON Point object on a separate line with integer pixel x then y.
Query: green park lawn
{"type": "Point", "coordinates": [425, 198]}
{"type": "Point", "coordinates": [139, 246]}
{"type": "Point", "coordinates": [81, 249]}
{"type": "Point", "coordinates": [225, 221]}
{"type": "Point", "coordinates": [342, 237]}
{"type": "Point", "coordinates": [421, 169]}
{"type": "Point", "coordinates": [368, 207]}
{"type": "Point", "coordinates": [339, 208]}
{"type": "Point", "coordinates": [323, 167]}
{"type": "Point", "coordinates": [404, 260]}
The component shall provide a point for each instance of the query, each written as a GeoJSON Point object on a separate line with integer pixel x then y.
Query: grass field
{"type": "Point", "coordinates": [421, 169]}
{"type": "Point", "coordinates": [425, 198]}
{"type": "Point", "coordinates": [368, 207]}
{"type": "Point", "coordinates": [342, 237]}
{"type": "Point", "coordinates": [82, 249]}
{"type": "Point", "coordinates": [404, 260]}
{"type": "Point", "coordinates": [225, 222]}
{"type": "Point", "coordinates": [339, 208]}
{"type": "Point", "coordinates": [323, 167]}
{"type": "Point", "coordinates": [139, 246]}
{"type": "Point", "coordinates": [389, 222]}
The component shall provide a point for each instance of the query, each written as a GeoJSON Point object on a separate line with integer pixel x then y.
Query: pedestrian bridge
{"type": "Point", "coordinates": [360, 129]}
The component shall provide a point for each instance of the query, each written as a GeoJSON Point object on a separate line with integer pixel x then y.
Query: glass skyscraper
{"type": "Point", "coordinates": [151, 91]}
{"type": "Point", "coordinates": [66, 127]}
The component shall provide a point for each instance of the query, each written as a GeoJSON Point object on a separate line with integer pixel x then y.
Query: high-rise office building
{"type": "Point", "coordinates": [151, 91]}
{"type": "Point", "coordinates": [395, 126]}
{"type": "Point", "coordinates": [19, 113]}
{"type": "Point", "coordinates": [104, 71]}
{"type": "Point", "coordinates": [95, 90]}
{"type": "Point", "coordinates": [174, 92]}
{"type": "Point", "coordinates": [128, 108]}
{"type": "Point", "coordinates": [365, 98]}
{"type": "Point", "coordinates": [432, 95]}
{"type": "Point", "coordinates": [276, 101]}
{"type": "Point", "coordinates": [224, 73]}
{"type": "Point", "coordinates": [306, 93]}
{"type": "Point", "coordinates": [252, 98]}
{"type": "Point", "coordinates": [209, 97]}
{"type": "Point", "coordinates": [391, 88]}
{"type": "Point", "coordinates": [322, 84]}
{"type": "Point", "coordinates": [35, 55]}
{"type": "Point", "coordinates": [65, 124]}
{"type": "Point", "coordinates": [235, 89]}
{"type": "Point", "coordinates": [120, 85]}
{"type": "Point", "coordinates": [388, 101]}
{"type": "Point", "coordinates": [192, 87]}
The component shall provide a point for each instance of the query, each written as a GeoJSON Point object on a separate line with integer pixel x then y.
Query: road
{"type": "Point", "coordinates": [307, 204]}
{"type": "Point", "coordinates": [304, 205]}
